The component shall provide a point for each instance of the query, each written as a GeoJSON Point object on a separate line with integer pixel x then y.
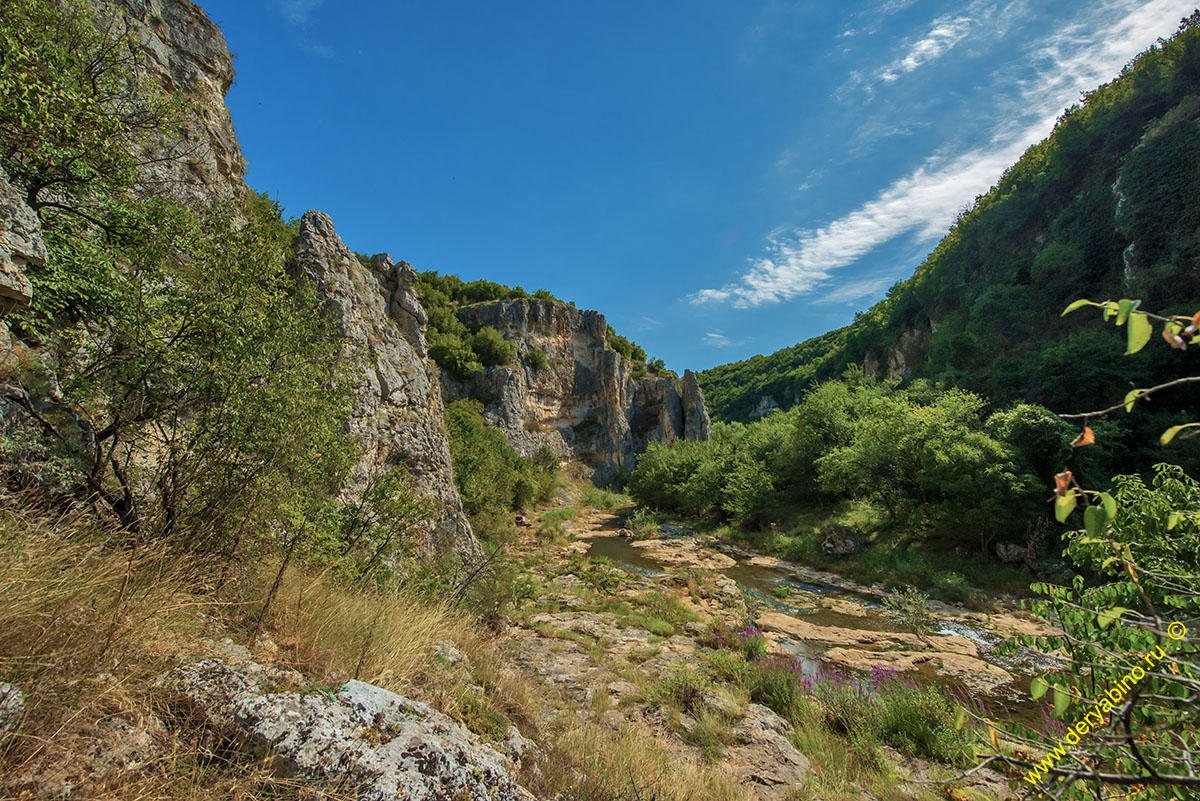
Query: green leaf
{"type": "Point", "coordinates": [1109, 504]}
{"type": "Point", "coordinates": [1064, 505]}
{"type": "Point", "coordinates": [1124, 308]}
{"type": "Point", "coordinates": [1170, 433]}
{"type": "Point", "coordinates": [1172, 520]}
{"type": "Point", "coordinates": [1109, 616]}
{"type": "Point", "coordinates": [1130, 398]}
{"type": "Point", "coordinates": [1094, 519]}
{"type": "Point", "coordinates": [1140, 331]}
{"type": "Point", "coordinates": [960, 718]}
{"type": "Point", "coordinates": [1077, 304]}
{"type": "Point", "coordinates": [1109, 308]}
{"type": "Point", "coordinates": [1038, 687]}
{"type": "Point", "coordinates": [1061, 701]}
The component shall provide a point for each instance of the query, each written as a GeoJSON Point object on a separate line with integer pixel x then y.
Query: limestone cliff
{"type": "Point", "coordinates": [20, 245]}
{"type": "Point", "coordinates": [397, 416]}
{"type": "Point", "coordinates": [585, 404]}
{"type": "Point", "coordinates": [184, 52]}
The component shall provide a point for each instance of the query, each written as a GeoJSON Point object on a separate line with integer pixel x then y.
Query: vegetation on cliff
{"type": "Point", "coordinates": [1107, 202]}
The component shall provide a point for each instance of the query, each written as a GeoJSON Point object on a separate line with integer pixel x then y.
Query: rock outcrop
{"type": "Point", "coordinates": [585, 404]}
{"type": "Point", "coordinates": [20, 245]}
{"type": "Point", "coordinates": [397, 417]}
{"type": "Point", "coordinates": [368, 738]}
{"type": "Point", "coordinates": [185, 53]}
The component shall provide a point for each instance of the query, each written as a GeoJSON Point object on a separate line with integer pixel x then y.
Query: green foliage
{"type": "Point", "coordinates": [538, 360]}
{"type": "Point", "coordinates": [912, 607]}
{"type": "Point", "coordinates": [492, 478]}
{"type": "Point", "coordinates": [682, 685]}
{"type": "Point", "coordinates": [77, 115]}
{"type": "Point", "coordinates": [928, 456]}
{"type": "Point", "coordinates": [491, 347]}
{"type": "Point", "coordinates": [627, 348]}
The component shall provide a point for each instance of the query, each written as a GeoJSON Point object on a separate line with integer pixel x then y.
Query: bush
{"type": "Point", "coordinates": [537, 359]}
{"type": "Point", "coordinates": [682, 685]}
{"type": "Point", "coordinates": [492, 479]}
{"type": "Point", "coordinates": [491, 348]}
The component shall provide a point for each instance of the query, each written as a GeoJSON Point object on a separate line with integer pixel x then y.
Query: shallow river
{"type": "Point", "coordinates": [1008, 701]}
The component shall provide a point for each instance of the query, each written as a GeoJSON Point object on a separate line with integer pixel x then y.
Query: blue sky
{"type": "Point", "coordinates": [719, 178]}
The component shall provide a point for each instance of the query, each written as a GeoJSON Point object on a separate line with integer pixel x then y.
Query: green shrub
{"type": "Point", "coordinates": [912, 606]}
{"type": "Point", "coordinates": [537, 359]}
{"type": "Point", "coordinates": [682, 685]}
{"type": "Point", "coordinates": [491, 348]}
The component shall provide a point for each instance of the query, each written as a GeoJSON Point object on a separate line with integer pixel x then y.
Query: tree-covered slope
{"type": "Point", "coordinates": [1107, 206]}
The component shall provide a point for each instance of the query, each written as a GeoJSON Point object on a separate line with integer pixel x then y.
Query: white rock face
{"type": "Point", "coordinates": [20, 246]}
{"type": "Point", "coordinates": [585, 404]}
{"type": "Point", "coordinates": [397, 418]}
{"type": "Point", "coordinates": [364, 736]}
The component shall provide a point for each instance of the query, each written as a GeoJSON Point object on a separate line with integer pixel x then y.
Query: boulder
{"type": "Point", "coordinates": [763, 758]}
{"type": "Point", "coordinates": [1010, 553]}
{"type": "Point", "coordinates": [836, 540]}
{"type": "Point", "coordinates": [363, 736]}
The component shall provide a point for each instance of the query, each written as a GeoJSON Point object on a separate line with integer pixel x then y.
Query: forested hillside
{"type": "Point", "coordinates": [1108, 206]}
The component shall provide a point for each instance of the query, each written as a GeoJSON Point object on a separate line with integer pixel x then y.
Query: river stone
{"type": "Point", "coordinates": [364, 736]}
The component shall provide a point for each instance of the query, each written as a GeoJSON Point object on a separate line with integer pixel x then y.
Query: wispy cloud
{"type": "Point", "coordinates": [946, 32]}
{"type": "Point", "coordinates": [925, 202]}
{"type": "Point", "coordinates": [857, 290]}
{"type": "Point", "coordinates": [298, 11]}
{"type": "Point", "coordinates": [717, 339]}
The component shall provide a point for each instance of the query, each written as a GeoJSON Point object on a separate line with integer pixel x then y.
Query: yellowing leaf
{"type": "Point", "coordinates": [1140, 330]}
{"type": "Point", "coordinates": [1130, 397]}
{"type": "Point", "coordinates": [1063, 506]}
{"type": "Point", "coordinates": [1170, 433]}
{"type": "Point", "coordinates": [1086, 437]}
{"type": "Point", "coordinates": [1076, 304]}
{"type": "Point", "coordinates": [1125, 308]}
{"type": "Point", "coordinates": [1172, 520]}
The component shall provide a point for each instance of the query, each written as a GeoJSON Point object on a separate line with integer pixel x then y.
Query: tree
{"type": "Point", "coordinates": [1136, 632]}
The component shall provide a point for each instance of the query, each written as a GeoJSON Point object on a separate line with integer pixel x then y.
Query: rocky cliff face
{"type": "Point", "coordinates": [397, 417]}
{"type": "Point", "coordinates": [185, 53]}
{"type": "Point", "coordinates": [585, 404]}
{"type": "Point", "coordinates": [20, 245]}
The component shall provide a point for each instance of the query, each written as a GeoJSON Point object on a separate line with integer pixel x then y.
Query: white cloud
{"type": "Point", "coordinates": [856, 290]}
{"type": "Point", "coordinates": [298, 11]}
{"type": "Point", "coordinates": [945, 33]}
{"type": "Point", "coordinates": [717, 339]}
{"type": "Point", "coordinates": [925, 202]}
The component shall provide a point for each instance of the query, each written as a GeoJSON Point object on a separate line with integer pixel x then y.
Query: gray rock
{"type": "Point", "coordinates": [397, 415]}
{"type": "Point", "coordinates": [185, 53]}
{"type": "Point", "coordinates": [446, 653]}
{"type": "Point", "coordinates": [12, 707]}
{"type": "Point", "coordinates": [585, 404]}
{"type": "Point", "coordinates": [836, 540]}
{"type": "Point", "coordinates": [364, 736]}
{"type": "Point", "coordinates": [764, 759]}
{"type": "Point", "coordinates": [21, 245]}
{"type": "Point", "coordinates": [1010, 553]}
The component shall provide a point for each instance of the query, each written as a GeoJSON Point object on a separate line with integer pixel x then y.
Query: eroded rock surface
{"type": "Point", "coordinates": [383, 743]}
{"type": "Point", "coordinates": [397, 417]}
{"type": "Point", "coordinates": [21, 245]}
{"type": "Point", "coordinates": [186, 54]}
{"type": "Point", "coordinates": [585, 404]}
